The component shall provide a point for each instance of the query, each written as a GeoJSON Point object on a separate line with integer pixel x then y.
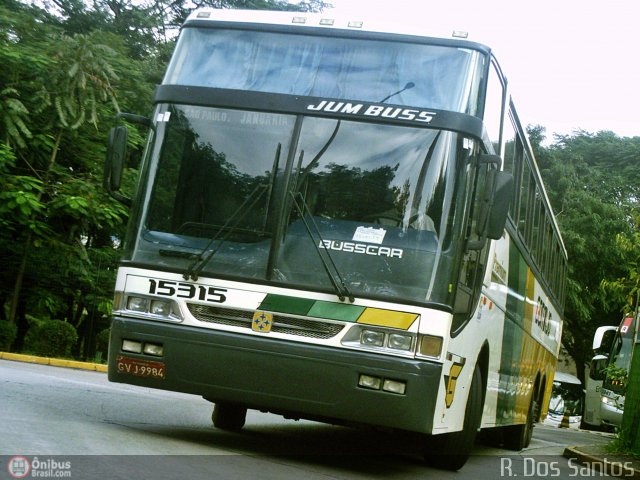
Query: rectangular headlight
{"type": "Point", "coordinates": [153, 349]}
{"type": "Point", "coordinates": [394, 386]}
{"type": "Point", "coordinates": [399, 341]}
{"type": "Point", "coordinates": [368, 381]}
{"type": "Point", "coordinates": [161, 307]}
{"type": "Point", "coordinates": [372, 338]}
{"type": "Point", "coordinates": [131, 346]}
{"type": "Point", "coordinates": [137, 304]}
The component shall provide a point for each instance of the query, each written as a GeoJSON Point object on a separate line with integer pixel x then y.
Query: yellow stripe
{"type": "Point", "coordinates": [529, 301]}
{"type": "Point", "coordinates": [535, 358]}
{"type": "Point", "coordinates": [387, 318]}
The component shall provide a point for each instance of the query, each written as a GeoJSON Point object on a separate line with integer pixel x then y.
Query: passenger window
{"type": "Point", "coordinates": [493, 108]}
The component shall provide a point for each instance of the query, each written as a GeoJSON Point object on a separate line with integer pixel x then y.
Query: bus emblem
{"type": "Point", "coordinates": [262, 322]}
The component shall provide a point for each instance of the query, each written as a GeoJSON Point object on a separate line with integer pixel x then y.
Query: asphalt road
{"type": "Point", "coordinates": [51, 415]}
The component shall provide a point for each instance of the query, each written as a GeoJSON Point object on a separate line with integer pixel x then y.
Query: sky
{"type": "Point", "coordinates": [571, 64]}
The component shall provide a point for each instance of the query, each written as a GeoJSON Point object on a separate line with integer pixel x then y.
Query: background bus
{"type": "Point", "coordinates": [615, 381]}
{"type": "Point", "coordinates": [341, 222]}
{"type": "Point", "coordinates": [608, 374]}
{"type": "Point", "coordinates": [567, 402]}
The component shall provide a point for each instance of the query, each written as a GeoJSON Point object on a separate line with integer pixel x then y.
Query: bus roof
{"type": "Point", "coordinates": [626, 327]}
{"type": "Point", "coordinates": [330, 21]}
{"type": "Point", "coordinates": [566, 378]}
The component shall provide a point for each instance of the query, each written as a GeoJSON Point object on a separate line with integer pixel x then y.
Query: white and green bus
{"type": "Point", "coordinates": [341, 222]}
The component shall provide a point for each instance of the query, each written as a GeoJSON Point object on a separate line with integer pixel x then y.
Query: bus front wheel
{"type": "Point", "coordinates": [228, 417]}
{"type": "Point", "coordinates": [450, 451]}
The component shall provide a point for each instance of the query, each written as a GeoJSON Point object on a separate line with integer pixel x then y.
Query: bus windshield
{"type": "Point", "coordinates": [566, 399]}
{"type": "Point", "coordinates": [266, 192]}
{"type": "Point", "coordinates": [324, 66]}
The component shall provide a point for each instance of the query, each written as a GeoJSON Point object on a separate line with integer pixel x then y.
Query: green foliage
{"type": "Point", "coordinates": [84, 78]}
{"type": "Point", "coordinates": [102, 341]}
{"type": "Point", "coordinates": [626, 289]}
{"type": "Point", "coordinates": [51, 338]}
{"type": "Point", "coordinates": [8, 332]}
{"type": "Point", "coordinates": [616, 374]}
{"type": "Point", "coordinates": [13, 115]}
{"type": "Point", "coordinates": [19, 197]}
{"type": "Point", "coordinates": [593, 183]}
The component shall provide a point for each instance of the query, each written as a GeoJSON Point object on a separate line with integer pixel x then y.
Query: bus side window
{"type": "Point", "coordinates": [493, 109]}
{"type": "Point", "coordinates": [474, 260]}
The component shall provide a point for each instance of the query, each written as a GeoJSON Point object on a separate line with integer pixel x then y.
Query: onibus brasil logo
{"type": "Point", "coordinates": [21, 467]}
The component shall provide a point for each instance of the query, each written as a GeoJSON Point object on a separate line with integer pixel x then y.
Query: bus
{"type": "Point", "coordinates": [567, 402]}
{"type": "Point", "coordinates": [602, 342]}
{"type": "Point", "coordinates": [339, 221]}
{"type": "Point", "coordinates": [611, 372]}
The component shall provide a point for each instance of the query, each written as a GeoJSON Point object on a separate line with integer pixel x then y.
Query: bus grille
{"type": "Point", "coordinates": [281, 323]}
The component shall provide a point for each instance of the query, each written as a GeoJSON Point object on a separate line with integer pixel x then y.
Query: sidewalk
{"type": "Point", "coordinates": [56, 362]}
{"type": "Point", "coordinates": [602, 461]}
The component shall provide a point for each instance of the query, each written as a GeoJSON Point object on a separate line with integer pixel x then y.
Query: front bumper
{"type": "Point", "coordinates": [296, 379]}
{"type": "Point", "coordinates": [611, 415]}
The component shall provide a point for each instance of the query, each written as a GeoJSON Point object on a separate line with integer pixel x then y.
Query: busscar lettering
{"type": "Point", "coordinates": [361, 248]}
{"type": "Point", "coordinates": [382, 111]}
{"type": "Point", "coordinates": [543, 316]}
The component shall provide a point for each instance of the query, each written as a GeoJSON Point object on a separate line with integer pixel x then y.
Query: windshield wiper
{"type": "Point", "coordinates": [339, 285]}
{"type": "Point", "coordinates": [230, 227]}
{"type": "Point", "coordinates": [206, 254]}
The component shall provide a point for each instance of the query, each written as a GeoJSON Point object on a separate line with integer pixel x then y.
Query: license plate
{"type": "Point", "coordinates": [139, 367]}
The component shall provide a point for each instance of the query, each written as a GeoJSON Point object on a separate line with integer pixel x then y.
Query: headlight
{"type": "Point", "coordinates": [155, 309]}
{"type": "Point", "coordinates": [385, 340]}
{"type": "Point", "coordinates": [400, 341]}
{"type": "Point", "coordinates": [160, 307]}
{"type": "Point", "coordinates": [137, 304]}
{"type": "Point", "coordinates": [372, 338]}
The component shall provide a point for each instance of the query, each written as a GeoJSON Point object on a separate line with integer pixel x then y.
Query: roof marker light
{"type": "Point", "coordinates": [203, 15]}
{"type": "Point", "coordinates": [460, 34]}
{"type": "Point", "coordinates": [327, 21]}
{"type": "Point", "coordinates": [301, 20]}
{"type": "Point", "coordinates": [355, 24]}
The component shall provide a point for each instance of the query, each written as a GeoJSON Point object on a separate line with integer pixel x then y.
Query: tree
{"type": "Point", "coordinates": [83, 79]}
{"type": "Point", "coordinates": [593, 186]}
{"type": "Point", "coordinates": [627, 292]}
{"type": "Point", "coordinates": [64, 66]}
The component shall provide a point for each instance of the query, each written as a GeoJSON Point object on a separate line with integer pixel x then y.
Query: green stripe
{"type": "Point", "coordinates": [512, 337]}
{"type": "Point", "coordinates": [336, 311]}
{"type": "Point", "coordinates": [283, 304]}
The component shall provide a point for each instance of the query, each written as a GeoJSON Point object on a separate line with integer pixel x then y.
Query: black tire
{"type": "Point", "coordinates": [450, 451]}
{"type": "Point", "coordinates": [228, 417]}
{"type": "Point", "coordinates": [517, 437]}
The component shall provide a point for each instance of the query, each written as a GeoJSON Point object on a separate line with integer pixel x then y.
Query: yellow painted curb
{"type": "Point", "coordinates": [54, 362]}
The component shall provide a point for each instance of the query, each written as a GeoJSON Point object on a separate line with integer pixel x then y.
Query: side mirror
{"type": "Point", "coordinates": [502, 195]}
{"type": "Point", "coordinates": [116, 155]}
{"type": "Point", "coordinates": [494, 204]}
{"type": "Point", "coordinates": [598, 337]}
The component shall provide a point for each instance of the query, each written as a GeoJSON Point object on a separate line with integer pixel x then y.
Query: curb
{"type": "Point", "coordinates": [614, 468]}
{"type": "Point", "coordinates": [54, 362]}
